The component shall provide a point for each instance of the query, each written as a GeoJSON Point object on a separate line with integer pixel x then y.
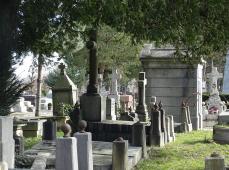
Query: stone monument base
{"type": "Point", "coordinates": [157, 140]}
{"type": "Point", "coordinates": [93, 107]}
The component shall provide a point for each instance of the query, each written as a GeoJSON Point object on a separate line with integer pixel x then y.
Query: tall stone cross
{"type": "Point", "coordinates": [61, 67]}
{"type": "Point", "coordinates": [141, 109]}
{"type": "Point", "coordinates": [213, 77]}
{"type": "Point", "coordinates": [93, 63]}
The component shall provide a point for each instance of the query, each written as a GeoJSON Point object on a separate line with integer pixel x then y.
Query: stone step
{"type": "Point", "coordinates": [102, 154]}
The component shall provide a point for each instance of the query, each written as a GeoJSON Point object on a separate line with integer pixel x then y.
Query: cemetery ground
{"type": "Point", "coordinates": [186, 153]}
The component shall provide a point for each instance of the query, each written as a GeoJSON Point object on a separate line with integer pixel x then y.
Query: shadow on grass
{"type": "Point", "coordinates": [203, 141]}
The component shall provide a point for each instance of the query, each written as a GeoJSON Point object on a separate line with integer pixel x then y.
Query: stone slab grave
{"type": "Point", "coordinates": [102, 154]}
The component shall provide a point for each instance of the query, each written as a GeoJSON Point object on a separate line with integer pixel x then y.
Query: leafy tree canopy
{"type": "Point", "coordinates": [115, 49]}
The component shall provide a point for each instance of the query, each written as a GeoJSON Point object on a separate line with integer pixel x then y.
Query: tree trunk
{"type": "Point", "coordinates": [39, 83]}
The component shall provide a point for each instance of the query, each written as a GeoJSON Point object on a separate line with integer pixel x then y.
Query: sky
{"type": "Point", "coordinates": [23, 70]}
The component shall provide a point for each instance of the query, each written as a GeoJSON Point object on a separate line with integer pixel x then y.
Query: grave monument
{"type": "Point", "coordinates": [214, 102]}
{"type": "Point", "coordinates": [141, 108]}
{"type": "Point", "coordinates": [172, 82]}
{"type": "Point", "coordinates": [92, 104]}
{"type": "Point", "coordinates": [63, 92]}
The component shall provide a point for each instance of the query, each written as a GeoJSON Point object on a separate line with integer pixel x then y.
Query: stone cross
{"type": "Point", "coordinates": [213, 77]}
{"type": "Point", "coordinates": [114, 85]}
{"type": "Point", "coordinates": [61, 67]}
{"type": "Point", "coordinates": [93, 62]}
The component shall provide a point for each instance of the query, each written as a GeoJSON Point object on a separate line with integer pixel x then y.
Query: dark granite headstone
{"type": "Point", "coordinates": [139, 137]}
{"type": "Point", "coordinates": [156, 136]}
{"type": "Point", "coordinates": [49, 130]}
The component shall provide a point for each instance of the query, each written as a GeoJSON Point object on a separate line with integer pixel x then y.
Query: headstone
{"type": "Point", "coordinates": [84, 146]}
{"type": "Point", "coordinates": [141, 108]}
{"type": "Point", "coordinates": [186, 125]}
{"type": "Point", "coordinates": [226, 76]}
{"type": "Point", "coordinates": [64, 92]}
{"type": "Point", "coordinates": [163, 122]}
{"type": "Point", "coordinates": [172, 81]}
{"type": "Point", "coordinates": [114, 87]}
{"type": "Point", "coordinates": [168, 135]}
{"type": "Point", "coordinates": [6, 141]}
{"type": "Point", "coordinates": [156, 136]}
{"type": "Point", "coordinates": [66, 154]}
{"type": "Point", "coordinates": [110, 113]}
{"type": "Point", "coordinates": [139, 137]}
{"type": "Point", "coordinates": [120, 154]}
{"type": "Point", "coordinates": [214, 101]}
{"type": "Point", "coordinates": [49, 130]}
{"type": "Point", "coordinates": [172, 133]}
{"type": "Point", "coordinates": [214, 162]}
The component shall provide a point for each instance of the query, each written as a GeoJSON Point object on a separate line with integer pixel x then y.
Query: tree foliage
{"type": "Point", "coordinates": [115, 49]}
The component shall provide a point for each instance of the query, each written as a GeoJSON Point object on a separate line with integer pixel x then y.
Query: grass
{"type": "Point", "coordinates": [188, 152]}
{"type": "Point", "coordinates": [29, 142]}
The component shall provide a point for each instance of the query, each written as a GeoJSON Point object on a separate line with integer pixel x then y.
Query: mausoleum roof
{"type": "Point", "coordinates": [150, 50]}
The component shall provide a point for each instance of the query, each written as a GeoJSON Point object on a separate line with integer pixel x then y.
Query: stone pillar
{"type": "Point", "coordinates": [120, 154]}
{"type": "Point", "coordinates": [93, 62]}
{"type": "Point", "coordinates": [172, 133]}
{"type": "Point", "coordinates": [156, 136]}
{"type": "Point", "coordinates": [214, 162]}
{"type": "Point", "coordinates": [84, 147]}
{"type": "Point", "coordinates": [114, 87]}
{"type": "Point", "coordinates": [163, 124]}
{"type": "Point", "coordinates": [66, 154]}
{"type": "Point", "coordinates": [141, 109]}
{"type": "Point", "coordinates": [139, 137]}
{"type": "Point", "coordinates": [49, 130]}
{"type": "Point", "coordinates": [6, 141]}
{"type": "Point", "coordinates": [97, 103]}
{"type": "Point", "coordinates": [168, 135]}
{"type": "Point", "coordinates": [110, 109]}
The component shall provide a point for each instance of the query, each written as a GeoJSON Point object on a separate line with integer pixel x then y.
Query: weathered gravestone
{"type": "Point", "coordinates": [156, 136]}
{"type": "Point", "coordinates": [114, 87]}
{"type": "Point", "coordinates": [163, 122]}
{"type": "Point", "coordinates": [49, 130]}
{"type": "Point", "coordinates": [141, 108]}
{"type": "Point", "coordinates": [172, 82]}
{"type": "Point", "coordinates": [186, 125]}
{"type": "Point", "coordinates": [139, 137]}
{"type": "Point", "coordinates": [6, 141]}
{"type": "Point", "coordinates": [214, 162]}
{"type": "Point", "coordinates": [214, 102]}
{"type": "Point", "coordinates": [63, 92]}
{"type": "Point", "coordinates": [110, 109]}
{"type": "Point", "coordinates": [66, 154]}
{"type": "Point", "coordinates": [120, 154]}
{"type": "Point", "coordinates": [92, 104]}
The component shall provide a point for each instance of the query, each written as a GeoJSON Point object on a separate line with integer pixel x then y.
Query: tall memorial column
{"type": "Point", "coordinates": [141, 109]}
{"type": "Point", "coordinates": [92, 105]}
